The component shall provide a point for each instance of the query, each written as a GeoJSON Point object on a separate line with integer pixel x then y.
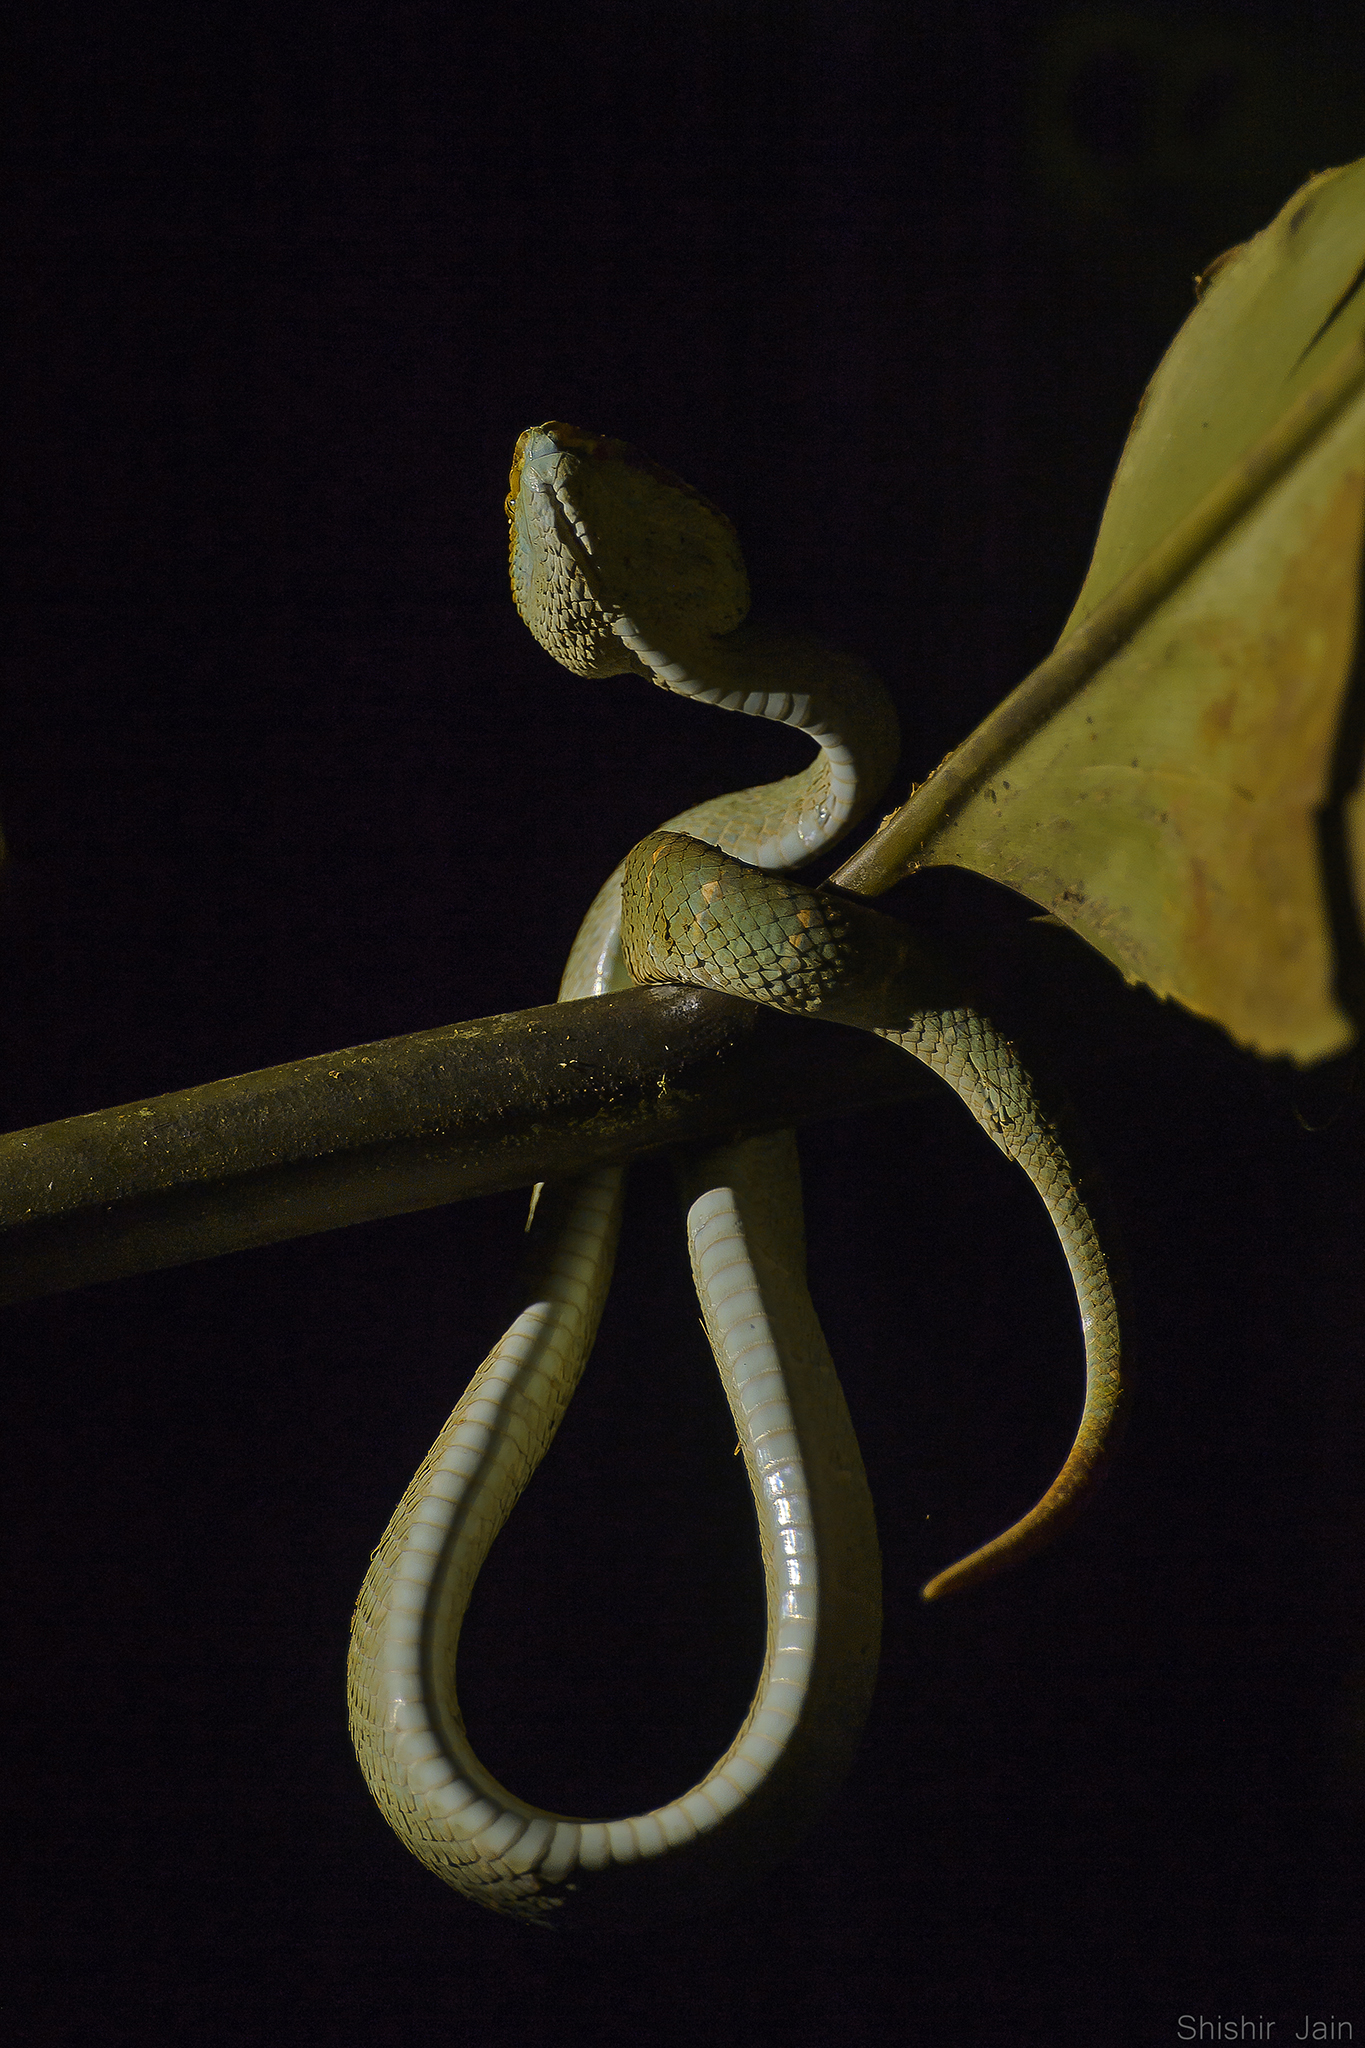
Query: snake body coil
{"type": "Point", "coordinates": [618, 567]}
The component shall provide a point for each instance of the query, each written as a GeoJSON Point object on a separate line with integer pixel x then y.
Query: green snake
{"type": "Point", "coordinates": [619, 567]}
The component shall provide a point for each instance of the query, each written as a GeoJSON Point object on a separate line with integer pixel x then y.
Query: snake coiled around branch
{"type": "Point", "coordinates": [619, 567]}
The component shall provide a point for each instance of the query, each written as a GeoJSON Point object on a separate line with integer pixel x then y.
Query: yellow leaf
{"type": "Point", "coordinates": [1177, 780]}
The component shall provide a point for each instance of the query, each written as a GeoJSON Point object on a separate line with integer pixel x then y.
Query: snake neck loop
{"type": "Point", "coordinates": [792, 679]}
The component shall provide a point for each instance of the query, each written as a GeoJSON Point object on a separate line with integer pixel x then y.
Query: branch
{"type": "Point", "coordinates": [411, 1123]}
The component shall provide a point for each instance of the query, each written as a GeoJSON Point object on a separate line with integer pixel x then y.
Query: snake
{"type": "Point", "coordinates": [620, 568]}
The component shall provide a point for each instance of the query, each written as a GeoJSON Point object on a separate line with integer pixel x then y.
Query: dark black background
{"type": "Point", "coordinates": [282, 771]}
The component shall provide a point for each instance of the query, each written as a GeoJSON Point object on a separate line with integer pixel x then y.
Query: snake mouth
{"type": "Point", "coordinates": [542, 469]}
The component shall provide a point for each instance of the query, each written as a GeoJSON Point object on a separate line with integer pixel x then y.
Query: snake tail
{"type": "Point", "coordinates": [695, 915]}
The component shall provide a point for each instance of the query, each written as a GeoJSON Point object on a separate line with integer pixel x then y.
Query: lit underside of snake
{"type": "Point", "coordinates": [619, 567]}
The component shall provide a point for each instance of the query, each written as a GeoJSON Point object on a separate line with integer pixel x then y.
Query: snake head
{"type": "Point", "coordinates": [602, 539]}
